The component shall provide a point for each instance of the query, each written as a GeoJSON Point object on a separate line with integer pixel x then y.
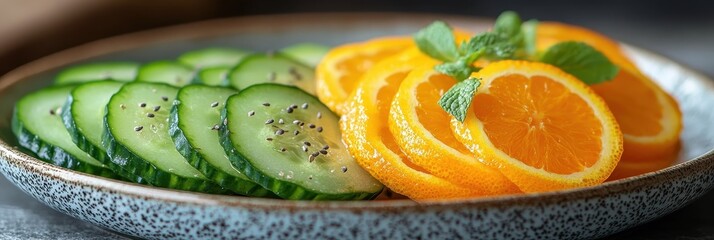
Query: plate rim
{"type": "Point", "coordinates": [218, 27]}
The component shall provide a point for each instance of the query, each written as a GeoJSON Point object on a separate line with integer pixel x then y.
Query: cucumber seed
{"type": "Point", "coordinates": [326, 147]}
{"type": "Point", "coordinates": [165, 98]}
{"type": "Point", "coordinates": [138, 128]}
{"type": "Point", "coordinates": [157, 108]}
{"type": "Point", "coordinates": [296, 132]}
{"type": "Point", "coordinates": [307, 143]}
{"type": "Point", "coordinates": [150, 115]}
{"type": "Point", "coordinates": [295, 73]}
{"type": "Point", "coordinates": [319, 129]}
{"type": "Point", "coordinates": [216, 127]}
{"type": "Point", "coordinates": [293, 106]}
{"type": "Point", "coordinates": [344, 169]}
{"type": "Point", "coordinates": [283, 149]}
{"type": "Point", "coordinates": [323, 152]}
{"type": "Point", "coordinates": [296, 122]}
{"type": "Point", "coordinates": [141, 104]}
{"type": "Point", "coordinates": [267, 104]}
{"type": "Point", "coordinates": [289, 110]}
{"type": "Point", "coordinates": [251, 113]}
{"type": "Point", "coordinates": [279, 132]}
{"type": "Point", "coordinates": [269, 139]}
{"type": "Point", "coordinates": [214, 104]}
{"type": "Point", "coordinates": [269, 121]}
{"type": "Point", "coordinates": [304, 148]}
{"type": "Point", "coordinates": [280, 121]}
{"type": "Point", "coordinates": [52, 112]}
{"type": "Point", "coordinates": [311, 125]}
{"type": "Point", "coordinates": [319, 115]}
{"type": "Point", "coordinates": [304, 106]}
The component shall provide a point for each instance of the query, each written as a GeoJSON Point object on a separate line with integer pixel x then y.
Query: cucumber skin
{"type": "Point", "coordinates": [53, 154]}
{"type": "Point", "coordinates": [284, 189]}
{"type": "Point", "coordinates": [89, 148]}
{"type": "Point", "coordinates": [195, 158]}
{"type": "Point", "coordinates": [134, 164]}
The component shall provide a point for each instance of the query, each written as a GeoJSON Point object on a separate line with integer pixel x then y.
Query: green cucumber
{"type": "Point", "coordinates": [213, 57]}
{"type": "Point", "coordinates": [119, 71]}
{"type": "Point", "coordinates": [83, 116]}
{"type": "Point", "coordinates": [308, 53]}
{"type": "Point", "coordinates": [213, 76]}
{"type": "Point", "coordinates": [287, 141]}
{"type": "Point", "coordinates": [193, 125]}
{"type": "Point", "coordinates": [272, 68]}
{"type": "Point", "coordinates": [37, 125]}
{"type": "Point", "coordinates": [136, 138]}
{"type": "Point", "coordinates": [169, 72]}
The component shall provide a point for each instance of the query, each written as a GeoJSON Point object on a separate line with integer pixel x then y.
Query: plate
{"type": "Point", "coordinates": [150, 212]}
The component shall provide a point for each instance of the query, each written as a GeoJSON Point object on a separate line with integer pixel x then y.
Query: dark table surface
{"type": "Point", "coordinates": [22, 217]}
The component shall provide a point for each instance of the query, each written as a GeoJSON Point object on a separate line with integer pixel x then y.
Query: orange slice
{"type": "Point", "coordinates": [367, 136]}
{"type": "Point", "coordinates": [649, 118]}
{"type": "Point", "coordinates": [421, 128]}
{"type": "Point", "coordinates": [341, 68]}
{"type": "Point", "coordinates": [626, 169]}
{"type": "Point", "coordinates": [541, 127]}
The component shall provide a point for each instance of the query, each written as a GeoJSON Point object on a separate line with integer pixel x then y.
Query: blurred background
{"type": "Point", "coordinates": [682, 30]}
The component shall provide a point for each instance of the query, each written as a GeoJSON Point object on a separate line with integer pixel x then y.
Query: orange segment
{"type": "Point", "coordinates": [367, 136]}
{"type": "Point", "coordinates": [341, 68]}
{"type": "Point", "coordinates": [543, 128]}
{"type": "Point", "coordinates": [650, 119]}
{"type": "Point", "coordinates": [421, 128]}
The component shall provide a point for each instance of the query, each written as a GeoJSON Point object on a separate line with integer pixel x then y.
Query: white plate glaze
{"type": "Point", "coordinates": [150, 212]}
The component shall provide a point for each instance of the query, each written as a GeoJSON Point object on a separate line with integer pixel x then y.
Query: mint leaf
{"type": "Point", "coordinates": [459, 70]}
{"type": "Point", "coordinates": [488, 45]}
{"type": "Point", "coordinates": [458, 99]}
{"type": "Point", "coordinates": [508, 24]}
{"type": "Point", "coordinates": [582, 61]}
{"type": "Point", "coordinates": [437, 41]}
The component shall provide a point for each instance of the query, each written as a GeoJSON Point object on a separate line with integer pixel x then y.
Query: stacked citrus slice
{"type": "Point", "coordinates": [542, 128]}
{"type": "Point", "coordinates": [366, 134]}
{"type": "Point", "coordinates": [421, 128]}
{"type": "Point", "coordinates": [650, 119]}
{"type": "Point", "coordinates": [529, 127]}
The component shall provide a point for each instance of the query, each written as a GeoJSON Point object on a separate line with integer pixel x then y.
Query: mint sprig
{"type": "Point", "coordinates": [510, 39]}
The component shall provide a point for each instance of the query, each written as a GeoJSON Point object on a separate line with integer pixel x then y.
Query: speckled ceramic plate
{"type": "Point", "coordinates": [159, 213]}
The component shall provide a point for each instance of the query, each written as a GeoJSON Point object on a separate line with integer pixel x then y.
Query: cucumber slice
{"type": "Point", "coordinates": [38, 127]}
{"type": "Point", "coordinates": [83, 116]}
{"type": "Point", "coordinates": [136, 137]}
{"type": "Point", "coordinates": [272, 68]}
{"type": "Point", "coordinates": [307, 53]}
{"type": "Point", "coordinates": [193, 125]}
{"type": "Point", "coordinates": [212, 57]}
{"type": "Point", "coordinates": [169, 72]}
{"type": "Point", "coordinates": [119, 71]}
{"type": "Point", "coordinates": [213, 76]}
{"type": "Point", "coordinates": [272, 152]}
